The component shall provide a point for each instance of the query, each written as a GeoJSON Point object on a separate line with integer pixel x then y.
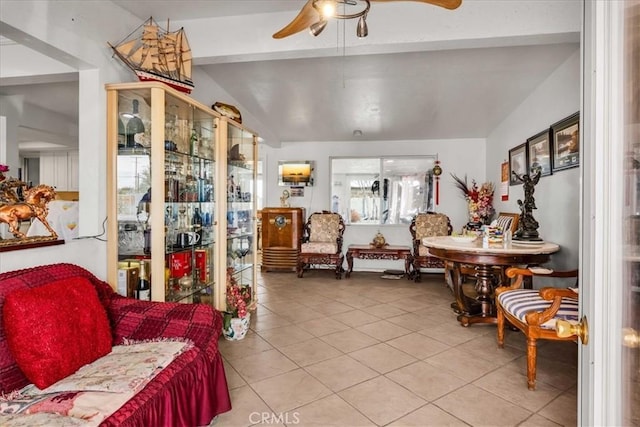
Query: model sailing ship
{"type": "Point", "coordinates": [156, 54]}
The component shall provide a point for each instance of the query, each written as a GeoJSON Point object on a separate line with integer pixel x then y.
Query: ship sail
{"type": "Point", "coordinates": [158, 54]}
{"type": "Point", "coordinates": [185, 56]}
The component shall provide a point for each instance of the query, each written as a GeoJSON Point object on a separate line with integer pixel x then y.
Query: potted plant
{"type": "Point", "coordinates": [237, 315]}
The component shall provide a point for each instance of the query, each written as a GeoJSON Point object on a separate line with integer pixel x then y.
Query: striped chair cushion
{"type": "Point", "coordinates": [504, 222]}
{"type": "Point", "coordinates": [519, 302]}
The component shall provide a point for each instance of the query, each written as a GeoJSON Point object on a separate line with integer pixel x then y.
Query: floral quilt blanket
{"type": "Point", "coordinates": [94, 391]}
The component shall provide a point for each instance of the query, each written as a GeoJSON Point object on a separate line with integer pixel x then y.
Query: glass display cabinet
{"type": "Point", "coordinates": [240, 202]}
{"type": "Point", "coordinates": [167, 155]}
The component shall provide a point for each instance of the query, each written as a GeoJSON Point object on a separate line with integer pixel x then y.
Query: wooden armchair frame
{"type": "Point", "coordinates": [532, 326]}
{"type": "Point", "coordinates": [307, 258]}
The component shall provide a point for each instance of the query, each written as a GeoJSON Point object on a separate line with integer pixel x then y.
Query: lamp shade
{"type": "Point", "coordinates": [362, 30]}
{"type": "Point", "coordinates": [316, 28]}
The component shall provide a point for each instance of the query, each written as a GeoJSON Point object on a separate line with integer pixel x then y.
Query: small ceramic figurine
{"type": "Point", "coordinates": [283, 199]}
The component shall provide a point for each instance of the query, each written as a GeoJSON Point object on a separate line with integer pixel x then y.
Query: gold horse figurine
{"type": "Point", "coordinates": [34, 206]}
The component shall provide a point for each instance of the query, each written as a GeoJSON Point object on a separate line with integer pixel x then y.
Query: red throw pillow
{"type": "Point", "coordinates": [55, 329]}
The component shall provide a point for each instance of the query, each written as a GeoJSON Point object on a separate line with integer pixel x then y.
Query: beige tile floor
{"type": "Point", "coordinates": [366, 351]}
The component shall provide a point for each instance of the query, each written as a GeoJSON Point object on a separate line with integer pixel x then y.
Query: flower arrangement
{"type": "Point", "coordinates": [480, 200]}
{"type": "Point", "coordinates": [3, 169]}
{"type": "Point", "coordinates": [238, 297]}
{"type": "Point", "coordinates": [237, 316]}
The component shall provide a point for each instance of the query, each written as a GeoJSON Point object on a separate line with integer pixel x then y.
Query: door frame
{"type": "Point", "coordinates": [600, 377]}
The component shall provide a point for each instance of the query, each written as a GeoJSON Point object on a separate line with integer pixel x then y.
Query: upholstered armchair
{"type": "Point", "coordinates": [427, 225]}
{"type": "Point", "coordinates": [535, 312]}
{"type": "Point", "coordinates": [322, 243]}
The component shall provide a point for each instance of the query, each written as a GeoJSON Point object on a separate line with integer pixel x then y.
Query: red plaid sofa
{"type": "Point", "coordinates": [191, 391]}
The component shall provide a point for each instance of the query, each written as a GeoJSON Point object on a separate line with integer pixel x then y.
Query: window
{"type": "Point", "coordinates": [381, 190]}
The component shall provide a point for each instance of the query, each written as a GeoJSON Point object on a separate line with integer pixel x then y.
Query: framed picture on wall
{"type": "Point", "coordinates": [539, 147]}
{"type": "Point", "coordinates": [518, 163]}
{"type": "Point", "coordinates": [566, 142]}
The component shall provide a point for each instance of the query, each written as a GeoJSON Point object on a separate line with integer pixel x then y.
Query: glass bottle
{"type": "Point", "coordinates": [506, 239]}
{"type": "Point", "coordinates": [143, 289]}
{"type": "Point", "coordinates": [231, 189]}
{"type": "Point", "coordinates": [134, 125]}
{"type": "Point", "coordinates": [182, 218]}
{"type": "Point", "coordinates": [191, 185]}
{"type": "Point", "coordinates": [202, 187]}
{"type": "Point", "coordinates": [196, 286]}
{"type": "Point", "coordinates": [196, 222]}
{"type": "Point", "coordinates": [193, 147]}
{"type": "Point", "coordinates": [147, 241]}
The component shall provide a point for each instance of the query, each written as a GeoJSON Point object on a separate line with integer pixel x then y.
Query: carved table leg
{"type": "Point", "coordinates": [416, 269]}
{"type": "Point", "coordinates": [300, 267]}
{"type": "Point", "coordinates": [484, 288]}
{"type": "Point", "coordinates": [407, 265]}
{"type": "Point", "coordinates": [462, 305]}
{"type": "Point", "coordinates": [339, 268]}
{"type": "Point", "coordinates": [349, 264]}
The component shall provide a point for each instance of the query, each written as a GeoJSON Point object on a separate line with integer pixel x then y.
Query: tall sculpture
{"type": "Point", "coordinates": [528, 226]}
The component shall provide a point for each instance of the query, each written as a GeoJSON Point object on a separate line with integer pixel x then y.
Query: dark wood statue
{"type": "Point", "coordinates": [527, 225]}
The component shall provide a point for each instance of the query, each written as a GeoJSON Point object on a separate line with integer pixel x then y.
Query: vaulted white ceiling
{"type": "Point", "coordinates": [422, 73]}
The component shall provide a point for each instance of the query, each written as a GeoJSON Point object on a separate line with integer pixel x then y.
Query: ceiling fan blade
{"type": "Point", "coordinates": [307, 16]}
{"type": "Point", "coordinates": [447, 4]}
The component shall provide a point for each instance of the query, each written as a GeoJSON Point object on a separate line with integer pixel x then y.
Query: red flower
{"type": "Point", "coordinates": [238, 297]}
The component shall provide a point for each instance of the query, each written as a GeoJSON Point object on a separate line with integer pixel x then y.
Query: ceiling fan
{"type": "Point", "coordinates": [315, 13]}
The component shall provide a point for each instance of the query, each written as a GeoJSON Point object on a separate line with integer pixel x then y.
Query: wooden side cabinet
{"type": "Point", "coordinates": [281, 238]}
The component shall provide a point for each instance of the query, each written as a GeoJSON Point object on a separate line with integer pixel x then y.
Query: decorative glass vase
{"type": "Point", "coordinates": [236, 328]}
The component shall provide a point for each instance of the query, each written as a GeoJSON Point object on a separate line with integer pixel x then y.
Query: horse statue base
{"type": "Point", "coordinates": [26, 240]}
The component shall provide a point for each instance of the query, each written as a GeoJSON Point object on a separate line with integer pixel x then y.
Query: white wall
{"type": "Point", "coordinates": [459, 156]}
{"type": "Point", "coordinates": [76, 34]}
{"type": "Point", "coordinates": [557, 196]}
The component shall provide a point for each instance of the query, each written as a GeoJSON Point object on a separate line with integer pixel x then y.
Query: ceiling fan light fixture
{"type": "Point", "coordinates": [362, 30]}
{"type": "Point", "coordinates": [328, 8]}
{"type": "Point", "coordinates": [342, 9]}
{"type": "Point", "coordinates": [316, 28]}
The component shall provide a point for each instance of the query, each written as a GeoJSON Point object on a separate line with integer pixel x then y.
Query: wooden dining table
{"type": "Point", "coordinates": [488, 262]}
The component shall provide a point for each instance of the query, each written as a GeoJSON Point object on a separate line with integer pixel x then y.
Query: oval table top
{"type": "Point", "coordinates": [447, 242]}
